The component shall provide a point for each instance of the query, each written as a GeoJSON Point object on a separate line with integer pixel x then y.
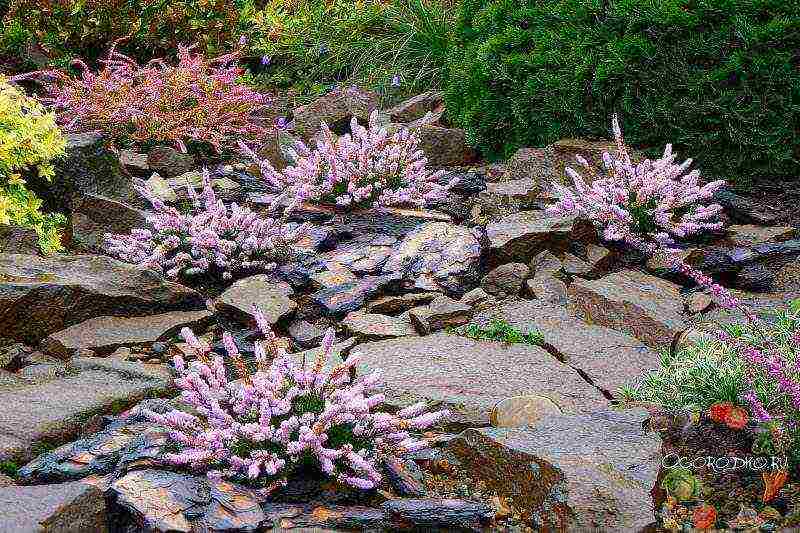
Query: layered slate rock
{"type": "Point", "coordinates": [66, 508]}
{"type": "Point", "coordinates": [505, 280]}
{"type": "Point", "coordinates": [752, 235]}
{"type": "Point", "coordinates": [373, 326]}
{"type": "Point", "coordinates": [441, 313]}
{"type": "Point", "coordinates": [444, 147]}
{"type": "Point", "coordinates": [585, 472]}
{"type": "Point", "coordinates": [18, 240]}
{"type": "Point", "coordinates": [94, 215]}
{"type": "Point", "coordinates": [55, 410]}
{"type": "Point", "coordinates": [39, 296]}
{"type": "Point", "coordinates": [438, 257]}
{"type": "Point", "coordinates": [520, 236]}
{"type": "Point", "coordinates": [638, 304]}
{"type": "Point", "coordinates": [105, 334]}
{"type": "Point", "coordinates": [351, 296]}
{"type": "Point", "coordinates": [415, 107]}
{"type": "Point", "coordinates": [607, 357]}
{"type": "Point", "coordinates": [470, 376]}
{"type": "Point", "coordinates": [335, 109]}
{"type": "Point", "coordinates": [272, 297]}
{"type": "Point", "coordinates": [565, 151]}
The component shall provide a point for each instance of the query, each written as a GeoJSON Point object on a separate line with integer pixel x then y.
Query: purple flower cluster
{"type": "Point", "coordinates": [261, 427]}
{"type": "Point", "coordinates": [657, 199]}
{"type": "Point", "coordinates": [368, 166]}
{"type": "Point", "coordinates": [210, 238]}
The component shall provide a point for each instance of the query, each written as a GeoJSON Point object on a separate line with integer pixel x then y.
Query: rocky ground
{"type": "Point", "coordinates": [537, 441]}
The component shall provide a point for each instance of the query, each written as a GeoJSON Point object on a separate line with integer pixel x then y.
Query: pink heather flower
{"type": "Point", "coordinates": [258, 430]}
{"type": "Point", "coordinates": [656, 200]}
{"type": "Point", "coordinates": [368, 166]}
{"type": "Point", "coordinates": [211, 238]}
{"type": "Point", "coordinates": [197, 100]}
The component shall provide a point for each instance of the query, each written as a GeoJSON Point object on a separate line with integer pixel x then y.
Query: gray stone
{"type": "Point", "coordinates": [745, 210]}
{"type": "Point", "coordinates": [519, 237]}
{"type": "Point", "coordinates": [273, 299]}
{"type": "Point", "coordinates": [39, 296]}
{"type": "Point", "coordinates": [440, 515]}
{"type": "Point", "coordinates": [565, 151]}
{"type": "Point", "coordinates": [305, 334]}
{"type": "Point", "coordinates": [529, 163]}
{"type": "Point", "coordinates": [67, 508]}
{"type": "Point", "coordinates": [18, 240]}
{"type": "Point", "coordinates": [547, 288]}
{"type": "Point", "coordinates": [55, 411]}
{"type": "Point", "coordinates": [478, 299]}
{"type": "Point", "coordinates": [169, 162]}
{"type": "Point", "coordinates": [545, 263]}
{"type": "Point", "coordinates": [580, 472]}
{"type": "Point", "coordinates": [393, 304]}
{"type": "Point", "coordinates": [334, 275]}
{"type": "Point", "coordinates": [351, 296]}
{"type": "Point", "coordinates": [608, 358]}
{"type": "Point", "coordinates": [640, 305]}
{"type": "Point", "coordinates": [93, 216]}
{"type": "Point", "coordinates": [752, 235]}
{"type": "Point", "coordinates": [444, 147]}
{"type": "Point", "coordinates": [438, 257]}
{"type": "Point", "coordinates": [106, 333]}
{"type": "Point", "coordinates": [135, 163]}
{"type": "Point", "coordinates": [441, 313]}
{"type": "Point", "coordinates": [575, 266]}
{"type": "Point", "coordinates": [505, 280]}
{"type": "Point", "coordinates": [415, 107]}
{"type": "Point", "coordinates": [374, 326]}
{"type": "Point", "coordinates": [470, 377]}
{"type": "Point", "coordinates": [755, 277]}
{"type": "Point", "coordinates": [335, 109]}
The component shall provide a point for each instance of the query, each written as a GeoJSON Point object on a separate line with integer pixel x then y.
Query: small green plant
{"type": "Point", "coordinates": [9, 468]}
{"type": "Point", "coordinates": [501, 331]}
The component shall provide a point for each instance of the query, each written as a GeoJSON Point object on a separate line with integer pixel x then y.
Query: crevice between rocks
{"type": "Point", "coordinates": [563, 360]}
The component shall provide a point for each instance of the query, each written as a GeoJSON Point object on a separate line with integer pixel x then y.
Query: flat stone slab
{"type": "Point", "coordinates": [470, 377]}
{"type": "Point", "coordinates": [585, 472]}
{"type": "Point", "coordinates": [54, 411]}
{"type": "Point", "coordinates": [66, 508]}
{"type": "Point", "coordinates": [39, 296]}
{"type": "Point", "coordinates": [609, 358]}
{"type": "Point", "coordinates": [644, 306]}
{"type": "Point", "coordinates": [272, 297]}
{"type": "Point", "coordinates": [520, 236]}
{"type": "Point", "coordinates": [105, 334]}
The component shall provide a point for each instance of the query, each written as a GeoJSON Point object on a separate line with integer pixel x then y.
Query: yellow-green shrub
{"type": "Point", "coordinates": [29, 140]}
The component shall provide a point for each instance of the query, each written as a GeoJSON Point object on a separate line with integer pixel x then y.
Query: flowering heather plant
{"type": "Point", "coordinates": [283, 416]}
{"type": "Point", "coordinates": [368, 166]}
{"type": "Point", "coordinates": [657, 199]}
{"type": "Point", "coordinates": [209, 238]}
{"type": "Point", "coordinates": [198, 100]}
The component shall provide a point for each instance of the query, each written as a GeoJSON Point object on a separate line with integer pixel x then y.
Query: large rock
{"type": "Point", "coordinates": [415, 107]}
{"type": "Point", "coordinates": [93, 216]}
{"type": "Point", "coordinates": [585, 472]}
{"type": "Point", "coordinates": [520, 236]}
{"type": "Point", "coordinates": [444, 147]}
{"type": "Point", "coordinates": [168, 162]}
{"type": "Point", "coordinates": [746, 210]}
{"type": "Point", "coordinates": [18, 240]}
{"type": "Point", "coordinates": [531, 164]}
{"type": "Point", "coordinates": [273, 299]}
{"type": "Point", "coordinates": [565, 151]}
{"type": "Point", "coordinates": [39, 296]}
{"type": "Point", "coordinates": [470, 376]}
{"type": "Point", "coordinates": [376, 327]}
{"type": "Point", "coordinates": [88, 168]}
{"type": "Point", "coordinates": [55, 410]}
{"type": "Point", "coordinates": [351, 296]}
{"type": "Point", "coordinates": [638, 304]}
{"type": "Point", "coordinates": [67, 508]}
{"type": "Point", "coordinates": [441, 313]}
{"type": "Point", "coordinates": [335, 109]}
{"type": "Point", "coordinates": [105, 334]}
{"type": "Point", "coordinates": [505, 280]}
{"type": "Point", "coordinates": [752, 235]}
{"type": "Point", "coordinates": [438, 256]}
{"type": "Point", "coordinates": [608, 358]}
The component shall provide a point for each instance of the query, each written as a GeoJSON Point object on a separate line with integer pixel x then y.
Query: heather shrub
{"type": "Point", "coordinates": [197, 101]}
{"type": "Point", "coordinates": [66, 29]}
{"type": "Point", "coordinates": [397, 48]}
{"type": "Point", "coordinates": [655, 200]}
{"type": "Point", "coordinates": [285, 416]}
{"type": "Point", "coordinates": [210, 238]}
{"type": "Point", "coordinates": [356, 170]}
{"type": "Point", "coordinates": [719, 77]}
{"type": "Point", "coordinates": [29, 140]}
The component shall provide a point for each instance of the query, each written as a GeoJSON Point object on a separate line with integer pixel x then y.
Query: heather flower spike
{"type": "Point", "coordinates": [656, 200]}
{"type": "Point", "coordinates": [260, 429]}
{"type": "Point", "coordinates": [211, 238]}
{"type": "Point", "coordinates": [368, 166]}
